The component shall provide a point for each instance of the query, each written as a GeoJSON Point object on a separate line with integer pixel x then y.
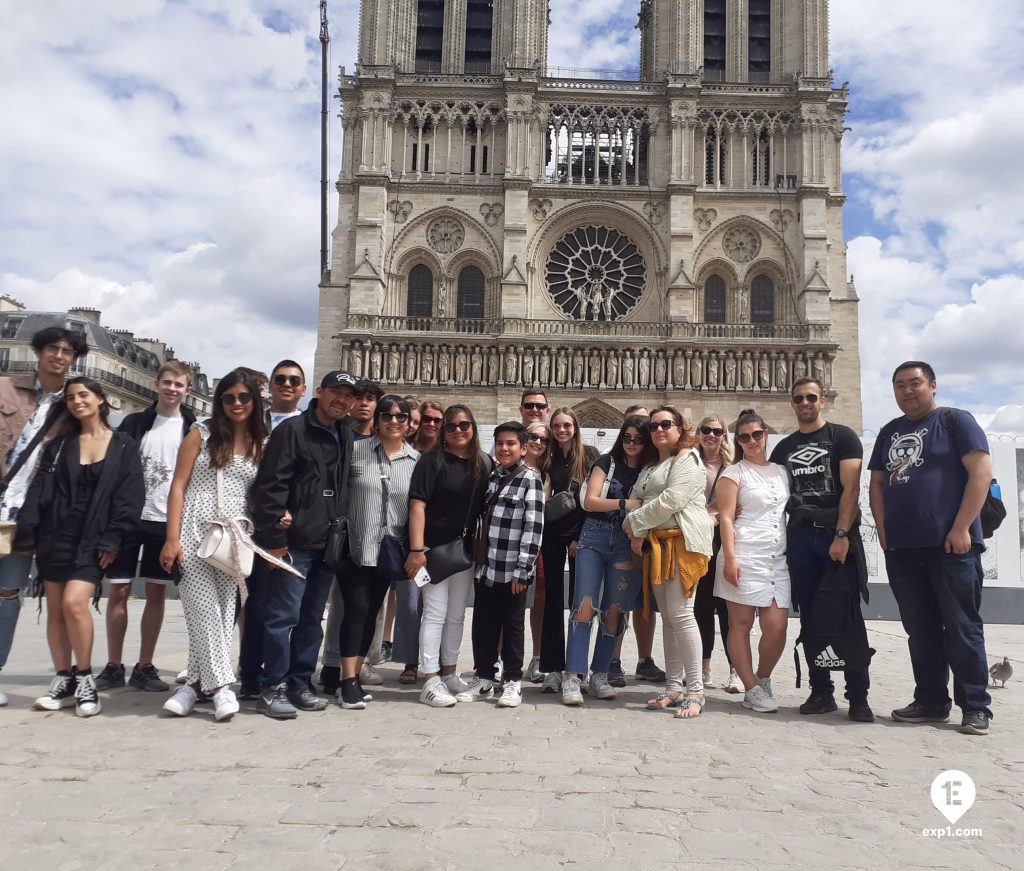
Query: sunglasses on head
{"type": "Point", "coordinates": [801, 398]}
{"type": "Point", "coordinates": [461, 426]}
{"type": "Point", "coordinates": [634, 440]}
{"type": "Point", "coordinates": [293, 380]}
{"type": "Point", "coordinates": [712, 430]}
{"type": "Point", "coordinates": [240, 398]}
{"type": "Point", "coordinates": [427, 420]}
{"type": "Point", "coordinates": [388, 416]}
{"type": "Point", "coordinates": [654, 426]}
{"type": "Point", "coordinates": [535, 437]}
{"type": "Point", "coordinates": [534, 406]}
{"type": "Point", "coordinates": [756, 435]}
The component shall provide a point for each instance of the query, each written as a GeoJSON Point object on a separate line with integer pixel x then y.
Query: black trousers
{"type": "Point", "coordinates": [553, 551]}
{"type": "Point", "coordinates": [498, 612]}
{"type": "Point", "coordinates": [707, 604]}
{"type": "Point", "coordinates": [363, 592]}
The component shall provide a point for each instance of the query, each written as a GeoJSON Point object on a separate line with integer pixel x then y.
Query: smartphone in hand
{"type": "Point", "coordinates": [421, 578]}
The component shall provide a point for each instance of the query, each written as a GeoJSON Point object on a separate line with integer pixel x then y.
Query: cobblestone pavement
{"type": "Point", "coordinates": [403, 786]}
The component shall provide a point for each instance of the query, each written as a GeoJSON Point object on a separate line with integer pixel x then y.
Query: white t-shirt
{"type": "Point", "coordinates": [277, 416]}
{"type": "Point", "coordinates": [159, 452]}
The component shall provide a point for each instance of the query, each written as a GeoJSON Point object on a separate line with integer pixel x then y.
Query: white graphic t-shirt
{"type": "Point", "coordinates": [159, 451]}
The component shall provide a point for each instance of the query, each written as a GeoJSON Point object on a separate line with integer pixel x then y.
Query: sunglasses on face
{"type": "Point", "coordinates": [801, 398]}
{"type": "Point", "coordinates": [293, 380]}
{"type": "Point", "coordinates": [654, 426]}
{"type": "Point", "coordinates": [241, 398]}
{"type": "Point", "coordinates": [633, 440]}
{"type": "Point", "coordinates": [427, 420]}
{"type": "Point", "coordinates": [716, 431]}
{"type": "Point", "coordinates": [534, 406]}
{"type": "Point", "coordinates": [388, 416]}
{"type": "Point", "coordinates": [756, 435]}
{"type": "Point", "coordinates": [533, 437]}
{"type": "Point", "coordinates": [461, 426]}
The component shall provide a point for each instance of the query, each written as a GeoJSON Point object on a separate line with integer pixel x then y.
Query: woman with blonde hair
{"type": "Point", "coordinates": [569, 463]}
{"type": "Point", "coordinates": [716, 452]}
{"type": "Point", "coordinates": [673, 524]}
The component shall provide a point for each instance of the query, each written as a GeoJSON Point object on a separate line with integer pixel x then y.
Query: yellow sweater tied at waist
{"type": "Point", "coordinates": [669, 556]}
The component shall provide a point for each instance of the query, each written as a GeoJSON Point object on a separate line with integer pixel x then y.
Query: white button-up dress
{"type": "Point", "coordinates": [760, 537]}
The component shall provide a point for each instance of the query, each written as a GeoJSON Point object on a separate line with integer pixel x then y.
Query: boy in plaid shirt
{"type": "Point", "coordinates": [514, 520]}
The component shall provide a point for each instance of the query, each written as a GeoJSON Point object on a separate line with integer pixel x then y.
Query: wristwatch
{"type": "Point", "coordinates": [841, 533]}
{"type": "Point", "coordinates": [622, 505]}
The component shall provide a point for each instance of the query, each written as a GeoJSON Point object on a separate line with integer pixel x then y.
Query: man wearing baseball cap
{"type": "Point", "coordinates": [304, 474]}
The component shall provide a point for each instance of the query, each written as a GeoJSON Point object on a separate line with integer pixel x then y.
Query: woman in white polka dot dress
{"type": "Point", "coordinates": [232, 441]}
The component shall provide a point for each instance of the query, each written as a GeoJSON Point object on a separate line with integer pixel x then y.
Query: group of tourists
{"type": "Point", "coordinates": [386, 511]}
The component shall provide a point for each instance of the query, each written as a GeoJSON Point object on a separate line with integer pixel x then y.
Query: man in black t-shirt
{"type": "Point", "coordinates": [824, 463]}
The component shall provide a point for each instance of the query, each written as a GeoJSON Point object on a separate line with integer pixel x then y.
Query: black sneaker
{"type": "Point", "coordinates": [350, 696]}
{"type": "Point", "coordinates": [147, 678]}
{"type": "Point", "coordinates": [306, 700]}
{"type": "Point", "coordinates": [647, 670]}
{"type": "Point", "coordinates": [330, 679]}
{"type": "Point", "coordinates": [60, 695]}
{"type": "Point", "coordinates": [87, 701]}
{"type": "Point", "coordinates": [915, 712]}
{"type": "Point", "coordinates": [111, 677]}
{"type": "Point", "coordinates": [819, 703]}
{"type": "Point", "coordinates": [616, 676]}
{"type": "Point", "coordinates": [386, 649]}
{"type": "Point", "coordinates": [248, 693]}
{"type": "Point", "coordinates": [860, 712]}
{"type": "Point", "coordinates": [975, 723]}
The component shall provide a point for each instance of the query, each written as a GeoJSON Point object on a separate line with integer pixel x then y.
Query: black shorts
{"type": "Point", "coordinates": [149, 540]}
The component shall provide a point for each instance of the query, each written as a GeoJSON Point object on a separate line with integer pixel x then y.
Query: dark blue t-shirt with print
{"type": "Point", "coordinates": [619, 487]}
{"type": "Point", "coordinates": [924, 476]}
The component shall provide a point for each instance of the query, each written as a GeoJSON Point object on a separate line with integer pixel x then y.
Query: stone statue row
{"type": "Point", "coordinates": [594, 368]}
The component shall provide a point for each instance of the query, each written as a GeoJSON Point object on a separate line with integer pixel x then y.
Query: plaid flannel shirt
{"type": "Point", "coordinates": [515, 526]}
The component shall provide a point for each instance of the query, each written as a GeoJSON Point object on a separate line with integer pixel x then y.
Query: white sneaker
{"type": "Point", "coordinates": [758, 700]}
{"type": "Point", "coordinates": [369, 676]}
{"type": "Point", "coordinates": [734, 684]}
{"type": "Point", "coordinates": [182, 677]}
{"type": "Point", "coordinates": [225, 705]}
{"type": "Point", "coordinates": [182, 702]}
{"type": "Point", "coordinates": [599, 687]}
{"type": "Point", "coordinates": [435, 694]}
{"type": "Point", "coordinates": [477, 690]}
{"type": "Point", "coordinates": [533, 673]}
{"type": "Point", "coordinates": [571, 693]}
{"type": "Point", "coordinates": [552, 682]}
{"type": "Point", "coordinates": [3, 700]}
{"type": "Point", "coordinates": [706, 675]}
{"type": "Point", "coordinates": [766, 684]}
{"type": "Point", "coordinates": [455, 684]}
{"type": "Point", "coordinates": [512, 695]}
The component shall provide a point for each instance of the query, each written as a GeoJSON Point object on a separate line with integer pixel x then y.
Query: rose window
{"type": "Point", "coordinates": [742, 244]}
{"type": "Point", "coordinates": [595, 274]}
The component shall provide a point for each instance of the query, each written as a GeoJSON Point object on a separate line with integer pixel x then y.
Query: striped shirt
{"type": "Point", "coordinates": [372, 473]}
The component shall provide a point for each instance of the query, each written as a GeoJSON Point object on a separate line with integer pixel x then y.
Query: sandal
{"type": "Point", "coordinates": [664, 700]}
{"type": "Point", "coordinates": [690, 707]}
{"type": "Point", "coordinates": [409, 675]}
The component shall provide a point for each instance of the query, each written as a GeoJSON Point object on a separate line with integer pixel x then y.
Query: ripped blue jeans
{"type": "Point", "coordinates": [608, 575]}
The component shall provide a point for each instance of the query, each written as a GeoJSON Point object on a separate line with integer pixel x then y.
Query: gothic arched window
{"type": "Point", "coordinates": [429, 35]}
{"type": "Point", "coordinates": [762, 300]}
{"type": "Point", "coordinates": [714, 300]}
{"type": "Point", "coordinates": [479, 15]}
{"type": "Point", "coordinates": [471, 293]}
{"type": "Point", "coordinates": [421, 292]}
{"type": "Point", "coordinates": [714, 40]}
{"type": "Point", "coordinates": [759, 40]}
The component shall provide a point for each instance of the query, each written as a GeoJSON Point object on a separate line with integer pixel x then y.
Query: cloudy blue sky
{"type": "Point", "coordinates": [160, 161]}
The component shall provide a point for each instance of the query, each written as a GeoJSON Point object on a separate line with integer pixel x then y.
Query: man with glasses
{"type": "Point", "coordinates": [26, 400]}
{"type": "Point", "coordinates": [304, 473]}
{"type": "Point", "coordinates": [287, 387]}
{"type": "Point", "coordinates": [824, 463]}
{"type": "Point", "coordinates": [159, 431]}
{"type": "Point", "coordinates": [930, 475]}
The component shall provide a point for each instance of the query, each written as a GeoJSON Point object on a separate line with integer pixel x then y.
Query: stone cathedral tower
{"type": "Point", "coordinates": [670, 233]}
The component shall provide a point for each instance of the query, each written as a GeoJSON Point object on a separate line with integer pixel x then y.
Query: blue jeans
{"type": "Point", "coordinates": [807, 555]}
{"type": "Point", "coordinates": [939, 597]}
{"type": "Point", "coordinates": [14, 571]}
{"type": "Point", "coordinates": [283, 622]}
{"type": "Point", "coordinates": [608, 575]}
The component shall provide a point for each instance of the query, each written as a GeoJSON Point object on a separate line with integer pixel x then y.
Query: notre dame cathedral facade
{"type": "Point", "coordinates": [668, 234]}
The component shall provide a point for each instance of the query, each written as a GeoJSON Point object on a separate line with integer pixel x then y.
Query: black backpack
{"type": "Point", "coordinates": [835, 637]}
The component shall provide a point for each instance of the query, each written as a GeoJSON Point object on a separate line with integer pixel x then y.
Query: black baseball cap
{"type": "Point", "coordinates": [337, 378]}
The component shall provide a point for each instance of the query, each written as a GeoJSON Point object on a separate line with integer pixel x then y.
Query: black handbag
{"type": "Point", "coordinates": [560, 505]}
{"type": "Point", "coordinates": [453, 556]}
{"type": "Point", "coordinates": [336, 546]}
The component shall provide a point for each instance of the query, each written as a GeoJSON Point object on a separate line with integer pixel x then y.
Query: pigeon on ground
{"type": "Point", "coordinates": [1001, 671]}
